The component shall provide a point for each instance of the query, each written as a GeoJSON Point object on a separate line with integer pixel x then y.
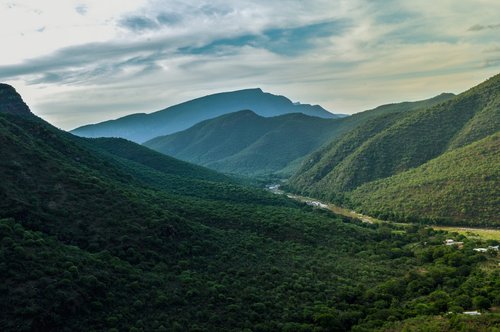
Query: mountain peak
{"type": "Point", "coordinates": [253, 89]}
{"type": "Point", "coordinates": [11, 102]}
{"type": "Point", "coordinates": [184, 115]}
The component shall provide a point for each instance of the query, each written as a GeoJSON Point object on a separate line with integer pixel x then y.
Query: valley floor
{"type": "Point", "coordinates": [484, 233]}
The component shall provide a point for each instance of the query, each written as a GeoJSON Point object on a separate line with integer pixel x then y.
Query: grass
{"type": "Point", "coordinates": [484, 233]}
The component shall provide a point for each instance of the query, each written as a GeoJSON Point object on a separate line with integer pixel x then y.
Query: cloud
{"type": "Point", "coordinates": [47, 77]}
{"type": "Point", "coordinates": [82, 9]}
{"type": "Point", "coordinates": [84, 63]}
{"type": "Point", "coordinates": [284, 41]}
{"type": "Point", "coordinates": [138, 23]}
{"type": "Point", "coordinates": [168, 19]}
{"type": "Point", "coordinates": [110, 59]}
{"type": "Point", "coordinates": [216, 10]}
{"type": "Point", "coordinates": [88, 60]}
{"type": "Point", "coordinates": [479, 27]}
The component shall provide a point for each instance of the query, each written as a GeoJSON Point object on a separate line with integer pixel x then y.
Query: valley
{"type": "Point", "coordinates": [250, 166]}
{"type": "Point", "coordinates": [483, 233]}
{"type": "Point", "coordinates": [107, 234]}
{"type": "Point", "coordinates": [256, 144]}
{"type": "Point", "coordinates": [437, 165]}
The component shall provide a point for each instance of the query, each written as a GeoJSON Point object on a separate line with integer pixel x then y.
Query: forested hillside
{"type": "Point", "coordinates": [393, 143]}
{"type": "Point", "coordinates": [459, 186]}
{"type": "Point", "coordinates": [108, 235]}
{"type": "Point", "coordinates": [245, 143]}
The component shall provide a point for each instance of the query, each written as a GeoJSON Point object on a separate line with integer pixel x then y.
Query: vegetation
{"type": "Point", "coordinates": [11, 102]}
{"type": "Point", "coordinates": [108, 235]}
{"type": "Point", "coordinates": [142, 127]}
{"type": "Point", "coordinates": [393, 143]}
{"type": "Point", "coordinates": [227, 278]}
{"type": "Point", "coordinates": [478, 233]}
{"type": "Point", "coordinates": [450, 322]}
{"type": "Point", "coordinates": [318, 166]}
{"type": "Point", "coordinates": [244, 143]}
{"type": "Point", "coordinates": [461, 184]}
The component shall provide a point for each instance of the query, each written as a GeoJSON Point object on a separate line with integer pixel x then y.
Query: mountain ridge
{"type": "Point", "coordinates": [11, 101]}
{"type": "Point", "coordinates": [455, 176]}
{"type": "Point", "coordinates": [232, 143]}
{"type": "Point", "coordinates": [246, 143]}
{"type": "Point", "coordinates": [141, 127]}
{"type": "Point", "coordinates": [403, 142]}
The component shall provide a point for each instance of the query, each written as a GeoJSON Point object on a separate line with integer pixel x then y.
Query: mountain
{"type": "Point", "coordinates": [394, 143]}
{"type": "Point", "coordinates": [104, 234]}
{"type": "Point", "coordinates": [245, 143]}
{"type": "Point", "coordinates": [142, 127]}
{"type": "Point", "coordinates": [348, 123]}
{"type": "Point", "coordinates": [461, 184]}
{"type": "Point", "coordinates": [11, 102]}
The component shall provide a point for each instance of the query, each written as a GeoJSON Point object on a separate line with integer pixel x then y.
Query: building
{"type": "Point", "coordinates": [450, 242]}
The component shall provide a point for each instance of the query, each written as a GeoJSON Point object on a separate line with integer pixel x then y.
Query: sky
{"type": "Point", "coordinates": [78, 62]}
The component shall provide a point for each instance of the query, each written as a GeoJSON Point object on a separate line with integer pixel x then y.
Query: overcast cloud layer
{"type": "Point", "coordinates": [79, 62]}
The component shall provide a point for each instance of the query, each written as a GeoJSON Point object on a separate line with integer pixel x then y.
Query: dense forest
{"type": "Point", "coordinates": [466, 176]}
{"type": "Point", "coordinates": [246, 144]}
{"type": "Point", "coordinates": [104, 234]}
{"type": "Point", "coordinates": [414, 152]}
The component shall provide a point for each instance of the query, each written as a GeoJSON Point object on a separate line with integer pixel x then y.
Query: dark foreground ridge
{"type": "Point", "coordinates": [11, 102]}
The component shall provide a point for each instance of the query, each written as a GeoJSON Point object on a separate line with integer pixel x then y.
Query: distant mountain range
{"type": "Point", "coordinates": [142, 127]}
{"type": "Point", "coordinates": [460, 185]}
{"type": "Point", "coordinates": [244, 143]}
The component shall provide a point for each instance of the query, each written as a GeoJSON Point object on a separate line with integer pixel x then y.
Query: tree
{"type": "Point", "coordinates": [481, 303]}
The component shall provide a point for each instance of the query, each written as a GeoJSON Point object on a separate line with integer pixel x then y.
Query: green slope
{"type": "Point", "coordinates": [143, 127]}
{"type": "Point", "coordinates": [319, 165]}
{"type": "Point", "coordinates": [244, 143]}
{"type": "Point", "coordinates": [134, 152]}
{"type": "Point", "coordinates": [351, 122]}
{"type": "Point", "coordinates": [393, 143]}
{"type": "Point", "coordinates": [213, 139]}
{"type": "Point", "coordinates": [459, 186]}
{"type": "Point", "coordinates": [90, 242]}
{"type": "Point", "coordinates": [48, 285]}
